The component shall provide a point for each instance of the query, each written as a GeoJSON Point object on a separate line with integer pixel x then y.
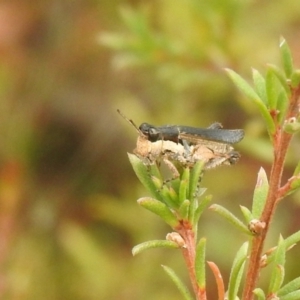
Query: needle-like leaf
{"type": "Point", "coordinates": [180, 285]}
{"type": "Point", "coordinates": [153, 244]}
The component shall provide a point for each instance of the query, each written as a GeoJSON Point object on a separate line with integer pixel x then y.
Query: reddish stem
{"type": "Point", "coordinates": [284, 190]}
{"type": "Point", "coordinates": [281, 143]}
{"type": "Point", "coordinates": [189, 254]}
{"type": "Point", "coordinates": [258, 241]}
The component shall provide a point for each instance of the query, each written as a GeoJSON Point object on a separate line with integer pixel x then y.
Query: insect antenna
{"type": "Point", "coordinates": [129, 120]}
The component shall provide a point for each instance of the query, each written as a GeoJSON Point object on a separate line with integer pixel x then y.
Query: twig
{"type": "Point", "coordinates": [281, 143]}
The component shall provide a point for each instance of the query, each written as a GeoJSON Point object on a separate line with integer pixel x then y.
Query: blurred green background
{"type": "Point", "coordinates": [69, 217]}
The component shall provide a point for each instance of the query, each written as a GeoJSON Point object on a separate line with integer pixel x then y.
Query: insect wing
{"type": "Point", "coordinates": [193, 135]}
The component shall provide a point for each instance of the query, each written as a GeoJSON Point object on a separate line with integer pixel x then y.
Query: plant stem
{"type": "Point", "coordinates": [258, 241]}
{"type": "Point", "coordinates": [189, 254]}
{"type": "Point", "coordinates": [281, 143]}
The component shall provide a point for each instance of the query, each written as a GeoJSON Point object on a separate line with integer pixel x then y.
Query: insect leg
{"type": "Point", "coordinates": [215, 125]}
{"type": "Point", "coordinates": [186, 147]}
{"type": "Point", "coordinates": [172, 168]}
{"type": "Point", "coordinates": [234, 156]}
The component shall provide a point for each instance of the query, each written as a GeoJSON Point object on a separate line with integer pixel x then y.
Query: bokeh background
{"type": "Point", "coordinates": [68, 217]}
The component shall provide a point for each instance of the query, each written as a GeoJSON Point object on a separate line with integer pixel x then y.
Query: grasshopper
{"type": "Point", "coordinates": [153, 147]}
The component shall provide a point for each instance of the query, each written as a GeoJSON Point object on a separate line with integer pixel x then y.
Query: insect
{"type": "Point", "coordinates": [186, 145]}
{"type": "Point", "coordinates": [178, 133]}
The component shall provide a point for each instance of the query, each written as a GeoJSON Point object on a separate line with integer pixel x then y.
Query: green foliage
{"type": "Point", "coordinates": [200, 263]}
{"type": "Point", "coordinates": [295, 78]}
{"type": "Point", "coordinates": [290, 288]}
{"type": "Point", "coordinates": [237, 272]}
{"type": "Point", "coordinates": [159, 209]}
{"type": "Point", "coordinates": [153, 244]}
{"type": "Point", "coordinates": [174, 53]}
{"type": "Point", "coordinates": [246, 213]}
{"type": "Point", "coordinates": [194, 180]}
{"type": "Point", "coordinates": [183, 197]}
{"type": "Point", "coordinates": [180, 285]}
{"type": "Point", "coordinates": [181, 203]}
{"type": "Point", "coordinates": [260, 194]}
{"type": "Point", "coordinates": [259, 293]}
{"type": "Point", "coordinates": [142, 172]}
{"type": "Point", "coordinates": [246, 89]}
{"type": "Point", "coordinates": [231, 218]}
{"type": "Point", "coordinates": [68, 219]}
{"type": "Point", "coordinates": [280, 76]}
{"type": "Point", "coordinates": [260, 85]}
{"type": "Point", "coordinates": [200, 209]}
{"type": "Point", "coordinates": [280, 100]}
{"type": "Point", "coordinates": [291, 296]}
{"type": "Point", "coordinates": [286, 58]}
{"type": "Point", "coordinates": [278, 272]}
{"type": "Point", "coordinates": [289, 242]}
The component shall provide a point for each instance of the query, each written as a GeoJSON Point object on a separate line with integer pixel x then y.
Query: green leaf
{"type": "Point", "coordinates": [175, 184]}
{"type": "Point", "coordinates": [159, 209]}
{"type": "Point", "coordinates": [173, 195]}
{"type": "Point", "coordinates": [158, 183]}
{"type": "Point", "coordinates": [278, 273]}
{"type": "Point", "coordinates": [236, 273]}
{"type": "Point", "coordinates": [288, 243]}
{"type": "Point", "coordinates": [251, 94]}
{"type": "Point", "coordinates": [260, 85]}
{"type": "Point", "coordinates": [153, 244]}
{"type": "Point", "coordinates": [169, 196]}
{"type": "Point", "coordinates": [142, 172]}
{"type": "Point", "coordinates": [290, 287]}
{"type": "Point", "coordinates": [297, 169]}
{"type": "Point", "coordinates": [244, 87]}
{"type": "Point", "coordinates": [200, 263]}
{"type": "Point", "coordinates": [180, 285]}
{"type": "Point", "coordinates": [281, 77]}
{"type": "Point", "coordinates": [195, 176]}
{"type": "Point", "coordinates": [292, 296]}
{"type": "Point", "coordinates": [295, 184]}
{"type": "Point", "coordinates": [260, 294]}
{"type": "Point", "coordinates": [292, 239]}
{"type": "Point", "coordinates": [246, 213]}
{"type": "Point", "coordinates": [230, 218]}
{"type": "Point", "coordinates": [280, 252]}
{"type": "Point", "coordinates": [272, 89]}
{"type": "Point", "coordinates": [286, 58]}
{"type": "Point", "coordinates": [202, 205]}
{"type": "Point", "coordinates": [184, 209]}
{"type": "Point", "coordinates": [278, 93]}
{"type": "Point", "coordinates": [260, 194]}
{"type": "Point", "coordinates": [184, 185]}
{"type": "Point", "coordinates": [282, 105]}
{"type": "Point", "coordinates": [295, 79]}
{"type": "Point", "coordinates": [194, 191]}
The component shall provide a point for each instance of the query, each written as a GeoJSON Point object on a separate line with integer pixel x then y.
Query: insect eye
{"type": "Point", "coordinates": [150, 131]}
{"type": "Point", "coordinates": [144, 128]}
{"type": "Point", "coordinates": [153, 133]}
